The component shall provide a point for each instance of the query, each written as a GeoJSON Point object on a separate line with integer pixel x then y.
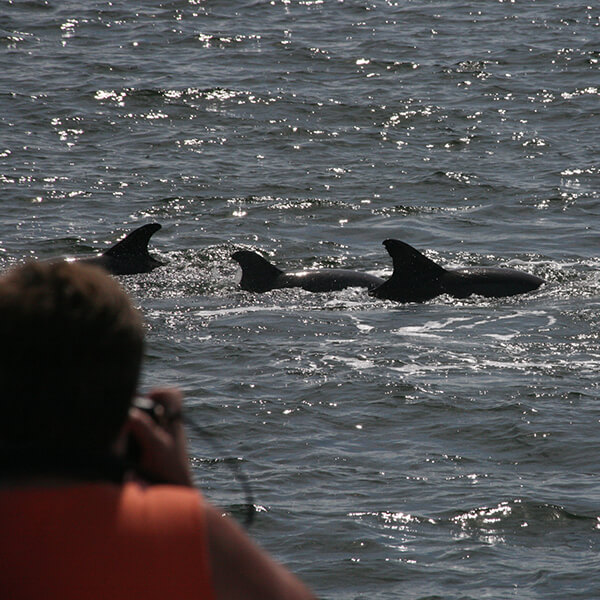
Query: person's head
{"type": "Point", "coordinates": [71, 346]}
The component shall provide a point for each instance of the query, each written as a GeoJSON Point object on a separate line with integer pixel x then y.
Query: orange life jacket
{"type": "Point", "coordinates": [101, 541]}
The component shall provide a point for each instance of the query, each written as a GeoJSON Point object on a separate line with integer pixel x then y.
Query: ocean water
{"type": "Point", "coordinates": [444, 450]}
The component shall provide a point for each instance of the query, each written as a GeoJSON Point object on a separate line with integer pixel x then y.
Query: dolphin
{"type": "Point", "coordinates": [130, 255]}
{"type": "Point", "coordinates": [259, 275]}
{"type": "Point", "coordinates": [416, 278]}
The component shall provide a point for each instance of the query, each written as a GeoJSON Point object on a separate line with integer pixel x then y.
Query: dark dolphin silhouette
{"type": "Point", "coordinates": [416, 278]}
{"type": "Point", "coordinates": [259, 275]}
{"type": "Point", "coordinates": [130, 255]}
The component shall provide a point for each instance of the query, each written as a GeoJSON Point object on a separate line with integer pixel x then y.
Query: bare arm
{"type": "Point", "coordinates": [242, 570]}
{"type": "Point", "coordinates": [163, 445]}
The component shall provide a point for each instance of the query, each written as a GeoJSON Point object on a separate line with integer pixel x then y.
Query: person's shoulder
{"type": "Point", "coordinates": [168, 507]}
{"type": "Point", "coordinates": [166, 492]}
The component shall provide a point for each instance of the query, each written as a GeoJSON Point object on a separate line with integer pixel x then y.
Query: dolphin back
{"type": "Point", "coordinates": [490, 282]}
{"type": "Point", "coordinates": [416, 278]}
{"type": "Point", "coordinates": [329, 280]}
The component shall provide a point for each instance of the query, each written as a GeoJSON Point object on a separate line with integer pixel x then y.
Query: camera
{"type": "Point", "coordinates": [156, 411]}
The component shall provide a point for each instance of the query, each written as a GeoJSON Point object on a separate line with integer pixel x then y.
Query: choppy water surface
{"type": "Point", "coordinates": [442, 450]}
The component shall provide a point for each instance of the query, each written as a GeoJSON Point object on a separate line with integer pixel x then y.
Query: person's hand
{"type": "Point", "coordinates": [162, 443]}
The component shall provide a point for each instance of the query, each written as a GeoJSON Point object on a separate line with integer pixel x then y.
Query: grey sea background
{"type": "Point", "coordinates": [444, 450]}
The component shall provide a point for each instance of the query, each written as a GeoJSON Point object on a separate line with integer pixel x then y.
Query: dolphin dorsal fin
{"type": "Point", "coordinates": [134, 244]}
{"type": "Point", "coordinates": [258, 274]}
{"type": "Point", "coordinates": [416, 278]}
{"type": "Point", "coordinates": [409, 262]}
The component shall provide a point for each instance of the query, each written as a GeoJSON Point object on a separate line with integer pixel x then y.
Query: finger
{"type": "Point", "coordinates": [144, 429]}
{"type": "Point", "coordinates": [167, 395]}
{"type": "Point", "coordinates": [171, 399]}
